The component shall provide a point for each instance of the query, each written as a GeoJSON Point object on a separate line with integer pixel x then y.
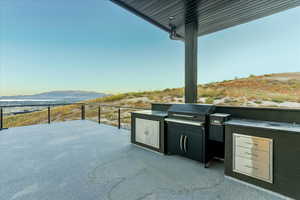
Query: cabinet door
{"type": "Point", "coordinates": [216, 133]}
{"type": "Point", "coordinates": [147, 132]}
{"type": "Point", "coordinates": [193, 145]}
{"type": "Point", "coordinates": [175, 139]}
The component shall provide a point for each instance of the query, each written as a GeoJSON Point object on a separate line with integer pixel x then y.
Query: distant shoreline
{"type": "Point", "coordinates": [22, 100]}
{"type": "Point", "coordinates": [19, 106]}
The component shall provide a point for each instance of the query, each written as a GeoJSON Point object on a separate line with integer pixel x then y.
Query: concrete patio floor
{"type": "Point", "coordinates": [82, 160]}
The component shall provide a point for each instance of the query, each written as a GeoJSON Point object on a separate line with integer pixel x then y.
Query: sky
{"type": "Point", "coordinates": [95, 45]}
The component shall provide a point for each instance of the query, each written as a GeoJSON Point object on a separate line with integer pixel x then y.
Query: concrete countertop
{"type": "Point", "coordinates": [290, 127]}
{"type": "Point", "coordinates": [152, 112]}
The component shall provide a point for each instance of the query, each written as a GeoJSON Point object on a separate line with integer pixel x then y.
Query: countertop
{"type": "Point", "coordinates": [152, 112]}
{"type": "Point", "coordinates": [265, 124]}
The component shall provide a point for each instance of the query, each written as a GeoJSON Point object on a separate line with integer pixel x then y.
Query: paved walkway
{"type": "Point", "coordinates": [82, 160]}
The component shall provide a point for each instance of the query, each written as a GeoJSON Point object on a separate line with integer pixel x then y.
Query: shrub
{"type": "Point", "coordinates": [227, 101]}
{"type": "Point", "coordinates": [281, 98]}
{"type": "Point", "coordinates": [209, 100]}
{"type": "Point", "coordinates": [257, 102]}
{"type": "Point", "coordinates": [116, 97]}
{"type": "Point", "coordinates": [278, 99]}
{"type": "Point", "coordinates": [209, 92]}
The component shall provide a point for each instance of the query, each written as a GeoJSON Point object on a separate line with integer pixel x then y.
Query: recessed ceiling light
{"type": "Point", "coordinates": [171, 17]}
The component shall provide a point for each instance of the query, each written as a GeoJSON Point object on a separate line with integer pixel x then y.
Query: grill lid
{"type": "Point", "coordinates": [191, 109]}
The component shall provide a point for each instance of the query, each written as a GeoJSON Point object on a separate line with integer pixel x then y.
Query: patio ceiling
{"type": "Point", "coordinates": [188, 19]}
{"type": "Point", "coordinates": [211, 15]}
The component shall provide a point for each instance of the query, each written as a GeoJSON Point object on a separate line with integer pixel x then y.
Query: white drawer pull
{"type": "Point", "coordinates": [251, 154]}
{"type": "Point", "coordinates": [251, 167]}
{"type": "Point", "coordinates": [252, 143]}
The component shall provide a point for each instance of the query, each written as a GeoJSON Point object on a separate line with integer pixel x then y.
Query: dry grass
{"type": "Point", "coordinates": [274, 88]}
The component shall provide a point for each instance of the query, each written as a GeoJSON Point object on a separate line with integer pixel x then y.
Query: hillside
{"type": "Point", "coordinates": [271, 90]}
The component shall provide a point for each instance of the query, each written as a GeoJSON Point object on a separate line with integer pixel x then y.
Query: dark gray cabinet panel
{"type": "Point", "coordinates": [216, 133]}
{"type": "Point", "coordinates": [193, 144]}
{"type": "Point", "coordinates": [175, 141]}
{"type": "Point", "coordinates": [286, 162]}
{"type": "Point", "coordinates": [186, 141]}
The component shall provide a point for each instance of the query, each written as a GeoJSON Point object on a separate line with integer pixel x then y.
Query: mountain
{"type": "Point", "coordinates": [67, 94]}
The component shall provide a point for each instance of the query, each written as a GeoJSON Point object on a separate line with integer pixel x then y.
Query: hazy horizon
{"type": "Point", "coordinates": [127, 91]}
{"type": "Point", "coordinates": [82, 91]}
{"type": "Point", "coordinates": [98, 46]}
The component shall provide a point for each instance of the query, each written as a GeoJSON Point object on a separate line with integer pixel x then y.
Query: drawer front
{"type": "Point", "coordinates": [147, 132]}
{"type": "Point", "coordinates": [253, 168]}
{"type": "Point", "coordinates": [262, 144]}
{"type": "Point", "coordinates": [253, 156]}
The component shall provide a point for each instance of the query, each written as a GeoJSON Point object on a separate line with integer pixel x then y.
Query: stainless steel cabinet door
{"type": "Point", "coordinates": [147, 132]}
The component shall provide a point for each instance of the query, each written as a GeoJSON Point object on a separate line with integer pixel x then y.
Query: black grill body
{"type": "Point", "coordinates": [217, 126]}
{"type": "Point", "coordinates": [187, 131]}
{"type": "Point", "coordinates": [217, 133]}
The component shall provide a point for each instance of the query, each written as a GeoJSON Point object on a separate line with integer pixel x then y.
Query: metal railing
{"type": "Point", "coordinates": [49, 108]}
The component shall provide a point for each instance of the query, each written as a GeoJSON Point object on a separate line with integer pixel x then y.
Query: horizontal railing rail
{"type": "Point", "coordinates": [82, 105]}
{"type": "Point", "coordinates": [66, 104]}
{"type": "Point", "coordinates": [38, 105]}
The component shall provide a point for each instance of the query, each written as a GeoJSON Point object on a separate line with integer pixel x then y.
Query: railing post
{"type": "Point", "coordinates": [82, 112]}
{"type": "Point", "coordinates": [1, 119]}
{"type": "Point", "coordinates": [99, 114]}
{"type": "Point", "coordinates": [49, 115]}
{"type": "Point", "coordinates": [119, 118]}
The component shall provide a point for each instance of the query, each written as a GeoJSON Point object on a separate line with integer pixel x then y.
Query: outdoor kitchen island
{"type": "Point", "coordinates": [264, 154]}
{"type": "Point", "coordinates": [148, 129]}
{"type": "Point", "coordinates": [261, 145]}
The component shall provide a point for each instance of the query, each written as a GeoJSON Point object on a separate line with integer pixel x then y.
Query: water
{"type": "Point", "coordinates": [22, 102]}
{"type": "Point", "coordinates": [29, 102]}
